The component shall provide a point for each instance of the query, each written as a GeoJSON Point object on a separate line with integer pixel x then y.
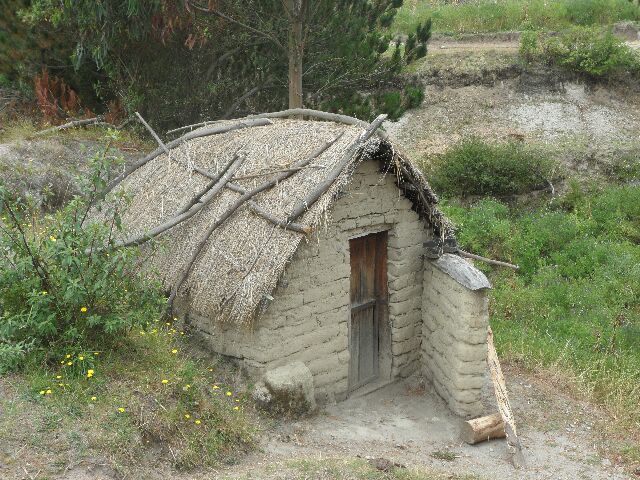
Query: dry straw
{"type": "Point", "coordinates": [240, 263]}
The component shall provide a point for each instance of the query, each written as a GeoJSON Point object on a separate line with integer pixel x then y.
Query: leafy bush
{"type": "Point", "coordinates": [64, 286]}
{"type": "Point", "coordinates": [575, 301]}
{"type": "Point", "coordinates": [474, 167]}
{"type": "Point", "coordinates": [590, 51]}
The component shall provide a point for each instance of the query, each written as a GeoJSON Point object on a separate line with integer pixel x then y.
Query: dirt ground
{"type": "Point", "coordinates": [482, 89]}
{"type": "Point", "coordinates": [410, 425]}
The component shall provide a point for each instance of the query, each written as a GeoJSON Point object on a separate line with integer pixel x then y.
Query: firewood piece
{"type": "Point", "coordinates": [230, 211]}
{"type": "Point", "coordinates": [215, 130]}
{"type": "Point", "coordinates": [483, 428]}
{"type": "Point", "coordinates": [303, 205]}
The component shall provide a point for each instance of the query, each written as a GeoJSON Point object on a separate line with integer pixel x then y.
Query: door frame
{"type": "Point", "coordinates": [382, 319]}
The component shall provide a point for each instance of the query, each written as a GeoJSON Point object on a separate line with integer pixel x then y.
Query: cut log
{"type": "Point", "coordinates": [483, 428]}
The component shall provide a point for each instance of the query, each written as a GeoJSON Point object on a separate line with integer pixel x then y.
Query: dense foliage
{"type": "Point", "coordinates": [576, 299]}
{"type": "Point", "coordinates": [475, 167]}
{"type": "Point", "coordinates": [590, 51]}
{"type": "Point", "coordinates": [63, 284]}
{"type": "Point", "coordinates": [181, 61]}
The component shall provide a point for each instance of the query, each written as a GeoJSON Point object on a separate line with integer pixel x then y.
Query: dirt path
{"type": "Point", "coordinates": [410, 426]}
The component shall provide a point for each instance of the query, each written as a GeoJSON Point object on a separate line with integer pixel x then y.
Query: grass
{"type": "Point", "coordinates": [575, 303]}
{"type": "Point", "coordinates": [143, 402]}
{"type": "Point", "coordinates": [485, 16]}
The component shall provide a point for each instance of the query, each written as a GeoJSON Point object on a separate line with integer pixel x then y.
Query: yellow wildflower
{"type": "Point", "coordinates": [41, 392]}
{"type": "Point", "coordinates": [48, 392]}
{"type": "Point", "coordinates": [198, 422]}
{"type": "Point", "coordinates": [229, 394]}
{"type": "Point", "coordinates": [181, 333]}
{"type": "Point", "coordinates": [142, 333]}
{"type": "Point", "coordinates": [69, 363]}
{"type": "Point", "coordinates": [52, 238]}
{"type": "Point", "coordinates": [58, 377]}
{"type": "Point", "coordinates": [236, 408]}
{"type": "Point", "coordinates": [216, 387]}
{"type": "Point", "coordinates": [61, 384]}
{"type": "Point", "coordinates": [83, 309]}
{"type": "Point", "coordinates": [80, 357]}
{"type": "Point", "coordinates": [90, 373]}
{"type": "Point", "coordinates": [174, 351]}
{"type": "Point", "coordinates": [67, 355]}
{"type": "Point", "coordinates": [93, 399]}
{"type": "Point", "coordinates": [96, 353]}
{"type": "Point", "coordinates": [165, 381]}
{"type": "Point", "coordinates": [121, 410]}
{"type": "Point", "coordinates": [187, 416]}
{"type": "Point", "coordinates": [44, 292]}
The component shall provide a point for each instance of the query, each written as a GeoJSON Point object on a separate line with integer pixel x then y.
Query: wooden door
{"type": "Point", "coordinates": [368, 256]}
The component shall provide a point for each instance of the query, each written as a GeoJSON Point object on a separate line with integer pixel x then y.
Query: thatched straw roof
{"type": "Point", "coordinates": [242, 261]}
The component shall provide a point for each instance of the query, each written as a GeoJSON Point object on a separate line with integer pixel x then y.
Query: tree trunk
{"type": "Point", "coordinates": [296, 10]}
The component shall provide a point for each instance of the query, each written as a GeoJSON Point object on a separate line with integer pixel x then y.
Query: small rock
{"type": "Point", "coordinates": [287, 390]}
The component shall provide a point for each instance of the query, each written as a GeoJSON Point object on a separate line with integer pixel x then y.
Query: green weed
{"type": "Point", "coordinates": [590, 51]}
{"type": "Point", "coordinates": [575, 302]}
{"type": "Point", "coordinates": [475, 167]}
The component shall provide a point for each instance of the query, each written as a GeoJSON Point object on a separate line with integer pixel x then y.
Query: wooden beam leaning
{"type": "Point", "coordinates": [304, 204]}
{"type": "Point", "coordinates": [247, 195]}
{"type": "Point", "coordinates": [215, 130]}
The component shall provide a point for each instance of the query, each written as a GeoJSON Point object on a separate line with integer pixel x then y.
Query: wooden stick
{"type": "Point", "coordinates": [176, 220]}
{"type": "Point", "coordinates": [462, 253]}
{"type": "Point", "coordinates": [74, 123]}
{"type": "Point", "coordinates": [195, 125]}
{"type": "Point", "coordinates": [188, 136]}
{"type": "Point", "coordinates": [483, 428]}
{"type": "Point", "coordinates": [197, 197]}
{"type": "Point", "coordinates": [239, 202]}
{"type": "Point", "coordinates": [153, 133]}
{"type": "Point", "coordinates": [264, 174]}
{"type": "Point", "coordinates": [303, 205]}
{"type": "Point", "coordinates": [258, 210]}
{"type": "Point", "coordinates": [502, 400]}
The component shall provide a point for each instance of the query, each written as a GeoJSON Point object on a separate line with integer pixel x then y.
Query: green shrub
{"type": "Point", "coordinates": [475, 167]}
{"type": "Point", "coordinates": [590, 51]}
{"type": "Point", "coordinates": [64, 287]}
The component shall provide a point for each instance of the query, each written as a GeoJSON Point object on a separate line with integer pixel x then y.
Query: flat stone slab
{"type": "Point", "coordinates": [461, 271]}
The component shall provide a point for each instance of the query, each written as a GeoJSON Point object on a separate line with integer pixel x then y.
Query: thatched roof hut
{"type": "Point", "coordinates": [324, 266]}
{"type": "Point", "coordinates": [243, 260]}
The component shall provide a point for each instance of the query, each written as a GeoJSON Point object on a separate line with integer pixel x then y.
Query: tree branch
{"type": "Point", "coordinates": [240, 24]}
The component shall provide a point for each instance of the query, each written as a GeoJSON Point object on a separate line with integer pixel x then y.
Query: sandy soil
{"type": "Point", "coordinates": [407, 424]}
{"type": "Point", "coordinates": [480, 89]}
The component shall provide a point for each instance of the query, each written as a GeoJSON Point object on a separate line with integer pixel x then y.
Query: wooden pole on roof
{"type": "Point", "coordinates": [304, 204]}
